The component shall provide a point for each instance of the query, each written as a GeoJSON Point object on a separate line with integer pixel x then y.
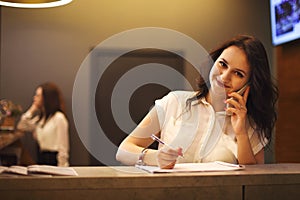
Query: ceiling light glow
{"type": "Point", "coordinates": [34, 3]}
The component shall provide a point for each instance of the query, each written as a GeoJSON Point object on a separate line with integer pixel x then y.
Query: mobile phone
{"type": "Point", "coordinates": [241, 91]}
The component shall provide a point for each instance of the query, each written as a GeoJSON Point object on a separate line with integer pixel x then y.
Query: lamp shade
{"type": "Point", "coordinates": [34, 3]}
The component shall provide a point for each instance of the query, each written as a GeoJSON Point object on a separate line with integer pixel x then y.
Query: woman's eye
{"type": "Point", "coordinates": [239, 74]}
{"type": "Point", "coordinates": [223, 64]}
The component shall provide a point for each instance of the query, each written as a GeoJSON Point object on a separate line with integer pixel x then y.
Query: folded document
{"type": "Point", "coordinates": [194, 167]}
{"type": "Point", "coordinates": [38, 169]}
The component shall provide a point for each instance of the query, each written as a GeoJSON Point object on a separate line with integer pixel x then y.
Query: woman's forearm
{"type": "Point", "coordinates": [245, 154]}
{"type": "Point", "coordinates": [129, 153]}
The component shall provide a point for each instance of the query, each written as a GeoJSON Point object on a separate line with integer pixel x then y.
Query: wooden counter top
{"type": "Point", "coordinates": [270, 181]}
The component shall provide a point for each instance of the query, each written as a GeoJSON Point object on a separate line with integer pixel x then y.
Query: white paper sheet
{"type": "Point", "coordinates": [194, 167]}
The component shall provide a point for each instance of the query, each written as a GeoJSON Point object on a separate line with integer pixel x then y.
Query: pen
{"type": "Point", "coordinates": [154, 137]}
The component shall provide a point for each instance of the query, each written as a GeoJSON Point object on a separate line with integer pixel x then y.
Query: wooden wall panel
{"type": "Point", "coordinates": [287, 143]}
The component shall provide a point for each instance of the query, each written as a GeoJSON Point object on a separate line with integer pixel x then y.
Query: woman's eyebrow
{"type": "Point", "coordinates": [224, 60]}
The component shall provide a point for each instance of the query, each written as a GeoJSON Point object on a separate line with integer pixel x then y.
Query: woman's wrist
{"type": "Point", "coordinates": [28, 114]}
{"type": "Point", "coordinates": [241, 136]}
{"type": "Point", "coordinates": [33, 108]}
{"type": "Point", "coordinates": [150, 157]}
{"type": "Point", "coordinates": [140, 160]}
{"type": "Point", "coordinates": [241, 131]}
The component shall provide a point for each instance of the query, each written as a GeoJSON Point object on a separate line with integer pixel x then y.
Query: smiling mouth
{"type": "Point", "coordinates": [221, 84]}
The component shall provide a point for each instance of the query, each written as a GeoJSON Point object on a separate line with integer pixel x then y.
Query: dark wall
{"type": "Point", "coordinates": [287, 135]}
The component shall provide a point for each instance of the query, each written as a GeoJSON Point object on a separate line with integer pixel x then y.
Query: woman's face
{"type": "Point", "coordinates": [38, 98]}
{"type": "Point", "coordinates": [230, 72]}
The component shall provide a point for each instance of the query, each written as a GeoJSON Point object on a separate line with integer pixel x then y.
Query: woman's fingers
{"type": "Point", "coordinates": [237, 102]}
{"type": "Point", "coordinates": [168, 166]}
{"type": "Point", "coordinates": [167, 157]}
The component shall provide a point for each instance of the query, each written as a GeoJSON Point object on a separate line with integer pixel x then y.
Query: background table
{"type": "Point", "coordinates": [10, 147]}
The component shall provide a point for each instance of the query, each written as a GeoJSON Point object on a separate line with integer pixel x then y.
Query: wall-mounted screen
{"type": "Point", "coordinates": [285, 20]}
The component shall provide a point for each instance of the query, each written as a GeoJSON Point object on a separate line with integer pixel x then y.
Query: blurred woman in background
{"type": "Point", "coordinates": [46, 119]}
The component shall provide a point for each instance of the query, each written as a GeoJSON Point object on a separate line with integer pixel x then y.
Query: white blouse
{"type": "Point", "coordinates": [204, 135]}
{"type": "Point", "coordinates": [51, 136]}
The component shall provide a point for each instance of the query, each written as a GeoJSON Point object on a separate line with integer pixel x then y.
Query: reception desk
{"type": "Point", "coordinates": [270, 181]}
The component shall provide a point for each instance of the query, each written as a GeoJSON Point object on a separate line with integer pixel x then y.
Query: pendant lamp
{"type": "Point", "coordinates": [34, 3]}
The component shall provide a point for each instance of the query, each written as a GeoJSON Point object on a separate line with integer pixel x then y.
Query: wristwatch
{"type": "Point", "coordinates": [141, 157]}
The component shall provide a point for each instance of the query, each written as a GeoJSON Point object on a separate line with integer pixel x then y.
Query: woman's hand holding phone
{"type": "Point", "coordinates": [234, 102]}
{"type": "Point", "coordinates": [238, 109]}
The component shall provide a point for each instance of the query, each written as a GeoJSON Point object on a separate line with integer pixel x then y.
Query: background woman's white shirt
{"type": "Point", "coordinates": [51, 136]}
